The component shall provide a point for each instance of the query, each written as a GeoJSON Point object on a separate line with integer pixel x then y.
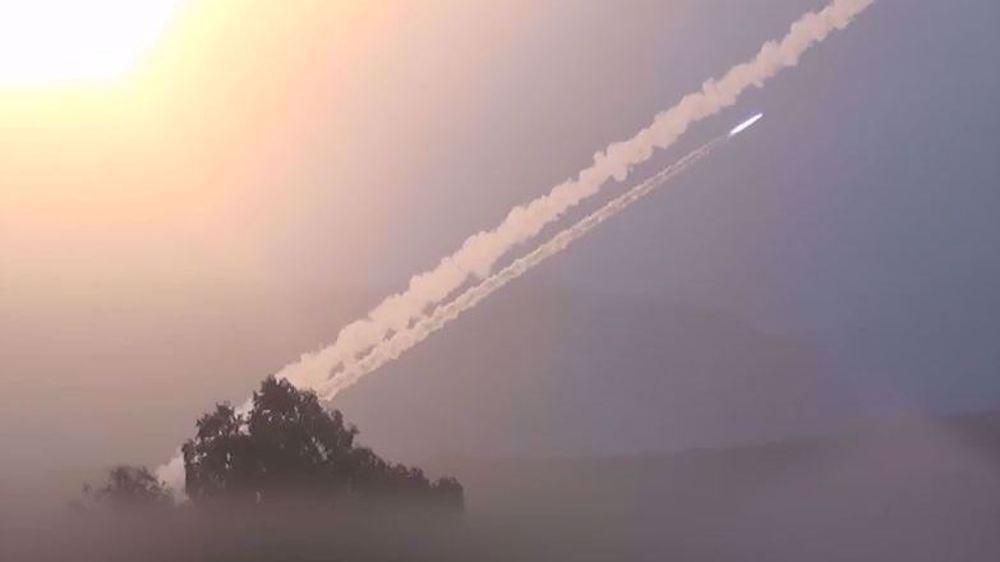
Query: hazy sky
{"type": "Point", "coordinates": [265, 175]}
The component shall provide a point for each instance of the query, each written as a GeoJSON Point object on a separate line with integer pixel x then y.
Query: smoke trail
{"type": "Point", "coordinates": [479, 253]}
{"type": "Point", "coordinates": [400, 342]}
{"type": "Point", "coordinates": [172, 473]}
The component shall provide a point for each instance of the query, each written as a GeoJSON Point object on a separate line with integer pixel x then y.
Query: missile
{"type": "Point", "coordinates": [745, 125]}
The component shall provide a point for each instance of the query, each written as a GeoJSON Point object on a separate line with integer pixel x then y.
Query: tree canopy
{"type": "Point", "coordinates": [288, 447]}
{"type": "Point", "coordinates": [129, 487]}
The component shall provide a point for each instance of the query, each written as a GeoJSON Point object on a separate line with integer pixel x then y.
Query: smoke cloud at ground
{"type": "Point", "coordinates": [919, 490]}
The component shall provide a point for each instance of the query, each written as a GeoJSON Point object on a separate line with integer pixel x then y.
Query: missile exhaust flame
{"type": "Point", "coordinates": [745, 125]}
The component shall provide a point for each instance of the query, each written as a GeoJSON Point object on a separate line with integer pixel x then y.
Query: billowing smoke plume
{"type": "Point", "coordinates": [395, 315]}
{"type": "Point", "coordinates": [403, 340]}
{"type": "Point", "coordinates": [480, 252]}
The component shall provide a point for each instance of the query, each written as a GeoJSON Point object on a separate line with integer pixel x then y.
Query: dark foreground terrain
{"type": "Point", "coordinates": [909, 492]}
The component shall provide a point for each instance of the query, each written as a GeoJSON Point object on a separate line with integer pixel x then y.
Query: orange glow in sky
{"type": "Point", "coordinates": [55, 40]}
{"type": "Point", "coordinates": [142, 139]}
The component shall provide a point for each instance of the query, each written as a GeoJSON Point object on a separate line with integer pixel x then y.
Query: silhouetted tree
{"type": "Point", "coordinates": [130, 487]}
{"type": "Point", "coordinates": [287, 446]}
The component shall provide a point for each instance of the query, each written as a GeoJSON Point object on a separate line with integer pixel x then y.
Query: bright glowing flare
{"type": "Point", "coordinates": [54, 40]}
{"type": "Point", "coordinates": [745, 125]}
